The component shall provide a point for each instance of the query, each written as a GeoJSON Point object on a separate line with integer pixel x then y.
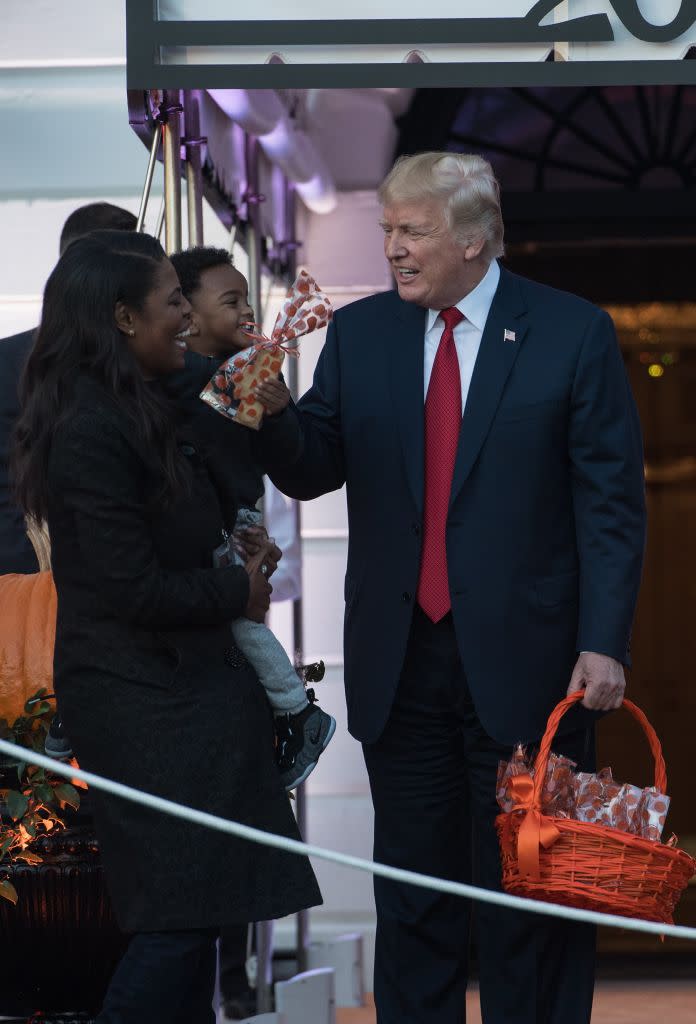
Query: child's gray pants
{"type": "Point", "coordinates": [279, 679]}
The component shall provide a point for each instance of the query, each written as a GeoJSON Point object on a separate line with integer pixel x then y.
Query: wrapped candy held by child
{"type": "Point", "coordinates": [231, 391]}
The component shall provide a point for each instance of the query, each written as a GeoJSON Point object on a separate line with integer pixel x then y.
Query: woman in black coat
{"type": "Point", "coordinates": [152, 689]}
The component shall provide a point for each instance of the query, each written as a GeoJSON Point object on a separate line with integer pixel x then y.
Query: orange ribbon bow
{"type": "Point", "coordinates": [262, 343]}
{"type": "Point", "coordinates": [536, 829]}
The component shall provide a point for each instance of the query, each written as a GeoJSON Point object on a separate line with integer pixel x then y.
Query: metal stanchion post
{"type": "Point", "coordinates": [253, 232]}
{"type": "Point", "coordinates": [149, 174]}
{"type": "Point", "coordinates": [264, 929]}
{"type": "Point", "coordinates": [194, 181]}
{"type": "Point", "coordinates": [291, 370]}
{"type": "Point", "coordinates": [171, 134]}
{"type": "Point", "coordinates": [160, 220]}
{"type": "Point", "coordinates": [264, 969]}
{"type": "Point", "coordinates": [302, 933]}
{"type": "Point", "coordinates": [233, 237]}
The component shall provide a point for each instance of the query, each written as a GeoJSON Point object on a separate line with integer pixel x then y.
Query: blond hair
{"type": "Point", "coordinates": [466, 186]}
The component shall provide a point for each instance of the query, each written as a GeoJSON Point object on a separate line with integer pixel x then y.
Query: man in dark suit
{"type": "Point", "coordinates": [485, 430]}
{"type": "Point", "coordinates": [16, 552]}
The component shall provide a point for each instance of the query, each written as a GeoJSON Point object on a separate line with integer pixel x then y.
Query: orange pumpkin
{"type": "Point", "coordinates": [27, 637]}
{"type": "Point", "coordinates": [27, 629]}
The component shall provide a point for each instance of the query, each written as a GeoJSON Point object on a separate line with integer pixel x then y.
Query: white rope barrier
{"type": "Point", "coordinates": [255, 835]}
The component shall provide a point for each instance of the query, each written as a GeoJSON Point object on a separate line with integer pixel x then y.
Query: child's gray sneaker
{"type": "Point", "coordinates": [301, 740]}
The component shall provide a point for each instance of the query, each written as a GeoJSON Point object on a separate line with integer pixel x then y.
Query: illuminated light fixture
{"type": "Point", "coordinates": [655, 370]}
{"type": "Point", "coordinates": [291, 150]}
{"type": "Point", "coordinates": [298, 158]}
{"type": "Point", "coordinates": [318, 194]}
{"type": "Point", "coordinates": [257, 111]}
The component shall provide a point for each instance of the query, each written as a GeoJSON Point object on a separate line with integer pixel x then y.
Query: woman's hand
{"type": "Point", "coordinates": [254, 541]}
{"type": "Point", "coordinates": [274, 395]}
{"type": "Point", "coordinates": [265, 560]}
{"type": "Point", "coordinates": [259, 567]}
{"type": "Point", "coordinates": [259, 597]}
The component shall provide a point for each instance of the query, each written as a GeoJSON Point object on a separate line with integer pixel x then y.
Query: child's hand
{"type": "Point", "coordinates": [248, 539]}
{"type": "Point", "coordinates": [274, 395]}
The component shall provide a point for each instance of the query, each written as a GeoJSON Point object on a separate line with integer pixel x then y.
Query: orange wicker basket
{"type": "Point", "coordinates": [578, 864]}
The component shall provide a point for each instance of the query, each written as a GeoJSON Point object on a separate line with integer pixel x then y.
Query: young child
{"type": "Point", "coordinates": [220, 317]}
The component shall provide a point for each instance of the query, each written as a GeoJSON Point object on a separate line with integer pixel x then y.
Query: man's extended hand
{"type": "Point", "coordinates": [602, 679]}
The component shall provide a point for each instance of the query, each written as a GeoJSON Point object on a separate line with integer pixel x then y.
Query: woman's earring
{"type": "Point", "coordinates": [131, 333]}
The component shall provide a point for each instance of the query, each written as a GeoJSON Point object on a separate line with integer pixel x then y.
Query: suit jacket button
{"type": "Point", "coordinates": [406, 597]}
{"type": "Point", "coordinates": [415, 528]}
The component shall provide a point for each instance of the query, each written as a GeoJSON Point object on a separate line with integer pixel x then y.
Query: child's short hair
{"type": "Point", "coordinates": [191, 263]}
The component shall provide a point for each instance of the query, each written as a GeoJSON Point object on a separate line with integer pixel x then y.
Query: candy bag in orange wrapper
{"type": "Point", "coordinates": [649, 820]}
{"type": "Point", "coordinates": [559, 788]}
{"type": "Point", "coordinates": [507, 770]}
{"type": "Point", "coordinates": [603, 801]}
{"type": "Point", "coordinates": [231, 390]}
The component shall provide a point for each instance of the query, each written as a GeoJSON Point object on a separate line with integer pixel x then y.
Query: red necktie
{"type": "Point", "coordinates": [443, 419]}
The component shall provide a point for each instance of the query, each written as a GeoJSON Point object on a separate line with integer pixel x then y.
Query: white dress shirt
{"type": "Point", "coordinates": [467, 334]}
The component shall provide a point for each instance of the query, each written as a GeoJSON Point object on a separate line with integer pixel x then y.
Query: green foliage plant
{"type": "Point", "coordinates": [34, 805]}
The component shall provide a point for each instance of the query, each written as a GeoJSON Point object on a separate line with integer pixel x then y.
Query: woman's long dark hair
{"type": "Point", "coordinates": [78, 336]}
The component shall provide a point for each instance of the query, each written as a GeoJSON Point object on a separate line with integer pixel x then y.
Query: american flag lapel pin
{"type": "Point", "coordinates": [508, 335]}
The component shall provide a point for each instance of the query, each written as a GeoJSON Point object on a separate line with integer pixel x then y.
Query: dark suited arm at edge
{"type": "Point", "coordinates": [605, 450]}
{"type": "Point", "coordinates": [301, 449]}
{"type": "Point", "coordinates": [98, 477]}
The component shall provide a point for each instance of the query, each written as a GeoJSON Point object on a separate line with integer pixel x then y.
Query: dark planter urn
{"type": "Point", "coordinates": [60, 943]}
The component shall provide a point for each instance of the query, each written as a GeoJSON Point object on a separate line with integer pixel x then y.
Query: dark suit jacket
{"type": "Point", "coordinates": [545, 533]}
{"type": "Point", "coordinates": [16, 552]}
{"type": "Point", "coordinates": [151, 687]}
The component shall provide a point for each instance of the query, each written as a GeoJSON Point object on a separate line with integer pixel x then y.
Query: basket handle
{"type": "Point", "coordinates": [542, 758]}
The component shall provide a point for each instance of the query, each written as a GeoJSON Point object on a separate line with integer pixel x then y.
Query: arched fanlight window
{"type": "Point", "coordinates": [565, 139]}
